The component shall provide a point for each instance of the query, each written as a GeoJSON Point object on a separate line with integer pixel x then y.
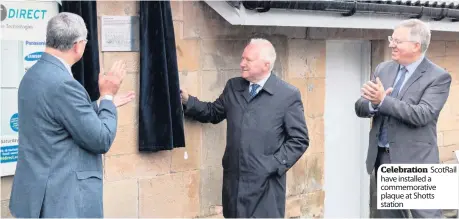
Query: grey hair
{"type": "Point", "coordinates": [267, 53]}
{"type": "Point", "coordinates": [64, 30]}
{"type": "Point", "coordinates": [419, 32]}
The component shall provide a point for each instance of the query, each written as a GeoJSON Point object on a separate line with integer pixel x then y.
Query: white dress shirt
{"type": "Point", "coordinates": [261, 83]}
{"type": "Point", "coordinates": [67, 66]}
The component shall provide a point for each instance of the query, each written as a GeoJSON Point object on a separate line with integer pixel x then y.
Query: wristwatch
{"type": "Point", "coordinates": [107, 97]}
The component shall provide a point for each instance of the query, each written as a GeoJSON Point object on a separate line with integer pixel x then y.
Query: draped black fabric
{"type": "Point", "coordinates": [86, 71]}
{"type": "Point", "coordinates": [160, 109]}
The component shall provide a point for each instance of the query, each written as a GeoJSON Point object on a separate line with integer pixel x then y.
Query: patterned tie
{"type": "Point", "coordinates": [399, 82]}
{"type": "Point", "coordinates": [253, 90]}
{"type": "Point", "coordinates": [395, 91]}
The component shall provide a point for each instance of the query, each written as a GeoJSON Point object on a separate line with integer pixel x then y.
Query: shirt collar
{"type": "Point", "coordinates": [263, 81]}
{"type": "Point", "coordinates": [412, 67]}
{"type": "Point", "coordinates": [67, 66]}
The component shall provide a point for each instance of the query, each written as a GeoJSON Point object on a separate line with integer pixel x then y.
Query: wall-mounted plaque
{"type": "Point", "coordinates": [120, 33]}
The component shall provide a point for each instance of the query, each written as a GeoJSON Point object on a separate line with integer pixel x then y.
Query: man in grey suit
{"type": "Point", "coordinates": [62, 134]}
{"type": "Point", "coordinates": [404, 126]}
{"type": "Point", "coordinates": [266, 134]}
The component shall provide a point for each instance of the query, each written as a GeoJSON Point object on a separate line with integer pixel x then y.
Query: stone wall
{"type": "Point", "coordinates": [446, 54]}
{"type": "Point", "coordinates": [164, 184]}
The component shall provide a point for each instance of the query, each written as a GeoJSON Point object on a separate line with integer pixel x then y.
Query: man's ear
{"type": "Point", "coordinates": [80, 48]}
{"type": "Point", "coordinates": [417, 47]}
{"type": "Point", "coordinates": [267, 65]}
{"type": "Point", "coordinates": [75, 48]}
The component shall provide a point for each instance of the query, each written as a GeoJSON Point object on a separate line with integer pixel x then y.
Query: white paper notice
{"type": "Point", "coordinates": [12, 63]}
{"type": "Point", "coordinates": [9, 113]}
{"type": "Point", "coordinates": [120, 33]}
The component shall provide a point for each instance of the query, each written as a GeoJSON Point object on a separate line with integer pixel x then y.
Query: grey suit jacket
{"type": "Point", "coordinates": [412, 115]}
{"type": "Point", "coordinates": [61, 138]}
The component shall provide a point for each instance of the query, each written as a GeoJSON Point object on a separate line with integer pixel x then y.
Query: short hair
{"type": "Point", "coordinates": [64, 30]}
{"type": "Point", "coordinates": [267, 52]}
{"type": "Point", "coordinates": [419, 32]}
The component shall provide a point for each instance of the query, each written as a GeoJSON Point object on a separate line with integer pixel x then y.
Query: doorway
{"type": "Point", "coordinates": [347, 184]}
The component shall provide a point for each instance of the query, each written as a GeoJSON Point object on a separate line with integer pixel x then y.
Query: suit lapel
{"type": "Point", "coordinates": [271, 83]}
{"type": "Point", "coordinates": [389, 79]}
{"type": "Point", "coordinates": [269, 87]}
{"type": "Point", "coordinates": [414, 77]}
{"type": "Point", "coordinates": [245, 94]}
{"type": "Point", "coordinates": [243, 89]}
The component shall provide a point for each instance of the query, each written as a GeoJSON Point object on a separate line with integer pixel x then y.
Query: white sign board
{"type": "Point", "coordinates": [9, 150]}
{"type": "Point", "coordinates": [26, 20]}
{"type": "Point", "coordinates": [23, 38]}
{"type": "Point", "coordinates": [12, 63]}
{"type": "Point", "coordinates": [120, 33]}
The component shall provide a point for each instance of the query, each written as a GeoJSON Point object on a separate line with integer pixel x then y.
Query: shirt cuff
{"type": "Point", "coordinates": [372, 108]}
{"type": "Point", "coordinates": [106, 97]}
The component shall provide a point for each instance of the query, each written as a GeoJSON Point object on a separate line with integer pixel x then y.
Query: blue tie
{"type": "Point", "coordinates": [399, 82]}
{"type": "Point", "coordinates": [253, 90]}
{"type": "Point", "coordinates": [395, 91]}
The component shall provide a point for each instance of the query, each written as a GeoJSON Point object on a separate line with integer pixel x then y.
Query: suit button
{"type": "Point", "coordinates": [283, 161]}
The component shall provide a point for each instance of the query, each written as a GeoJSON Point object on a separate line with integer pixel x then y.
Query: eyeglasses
{"type": "Point", "coordinates": [396, 41]}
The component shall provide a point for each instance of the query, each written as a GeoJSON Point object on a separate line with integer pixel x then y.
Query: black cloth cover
{"type": "Point", "coordinates": [160, 110]}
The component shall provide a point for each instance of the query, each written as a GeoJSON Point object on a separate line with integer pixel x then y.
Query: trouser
{"type": "Point", "coordinates": [384, 158]}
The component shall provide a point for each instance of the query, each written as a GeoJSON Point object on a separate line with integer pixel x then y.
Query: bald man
{"type": "Point", "coordinates": [266, 130]}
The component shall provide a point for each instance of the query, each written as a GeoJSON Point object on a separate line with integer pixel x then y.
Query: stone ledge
{"type": "Point", "coordinates": [7, 183]}
{"type": "Point", "coordinates": [180, 190]}
{"type": "Point", "coordinates": [121, 193]}
{"type": "Point", "coordinates": [307, 205]}
{"type": "Point", "coordinates": [137, 165]}
{"type": "Point", "coordinates": [5, 210]}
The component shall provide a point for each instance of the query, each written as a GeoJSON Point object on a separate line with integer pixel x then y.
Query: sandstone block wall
{"type": "Point", "coordinates": [164, 184]}
{"type": "Point", "coordinates": [446, 54]}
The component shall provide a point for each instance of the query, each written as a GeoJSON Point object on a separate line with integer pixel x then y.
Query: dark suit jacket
{"type": "Point", "coordinates": [413, 114]}
{"type": "Point", "coordinates": [266, 135]}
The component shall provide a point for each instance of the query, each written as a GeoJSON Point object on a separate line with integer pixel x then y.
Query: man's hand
{"type": "Point", "coordinates": [184, 96]}
{"type": "Point", "coordinates": [109, 83]}
{"type": "Point", "coordinates": [122, 99]}
{"type": "Point", "coordinates": [374, 92]}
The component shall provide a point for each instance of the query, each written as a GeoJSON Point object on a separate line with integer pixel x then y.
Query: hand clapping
{"type": "Point", "coordinates": [374, 92]}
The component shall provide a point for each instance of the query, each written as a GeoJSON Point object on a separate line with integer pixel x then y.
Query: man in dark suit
{"type": "Point", "coordinates": [62, 133]}
{"type": "Point", "coordinates": [266, 134]}
{"type": "Point", "coordinates": [404, 127]}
